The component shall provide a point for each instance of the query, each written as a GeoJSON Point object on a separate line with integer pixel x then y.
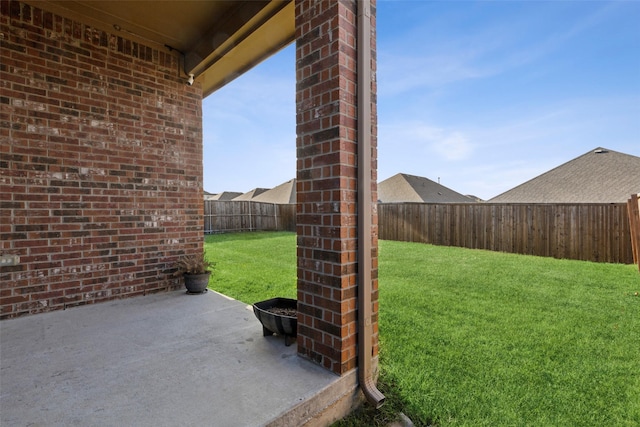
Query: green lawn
{"type": "Point", "coordinates": [473, 338]}
{"type": "Point", "coordinates": [252, 267]}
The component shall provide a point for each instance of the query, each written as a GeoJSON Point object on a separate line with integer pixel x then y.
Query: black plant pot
{"type": "Point", "coordinates": [273, 323]}
{"type": "Point", "coordinates": [196, 283]}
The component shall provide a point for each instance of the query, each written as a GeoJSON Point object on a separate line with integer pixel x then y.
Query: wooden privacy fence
{"type": "Point", "coordinates": [228, 216]}
{"type": "Point", "coordinates": [633, 205]}
{"type": "Point", "coordinates": [591, 232]}
{"type": "Point", "coordinates": [599, 232]}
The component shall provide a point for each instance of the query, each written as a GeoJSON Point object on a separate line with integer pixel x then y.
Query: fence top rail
{"type": "Point", "coordinates": [502, 204]}
{"type": "Point", "coordinates": [248, 201]}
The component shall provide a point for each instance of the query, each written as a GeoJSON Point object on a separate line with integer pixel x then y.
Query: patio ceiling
{"type": "Point", "coordinates": [219, 39]}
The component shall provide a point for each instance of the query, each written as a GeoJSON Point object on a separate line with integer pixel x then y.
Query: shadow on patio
{"type": "Point", "coordinates": [161, 360]}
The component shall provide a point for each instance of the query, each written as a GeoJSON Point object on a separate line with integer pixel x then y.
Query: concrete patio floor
{"type": "Point", "coordinates": [167, 359]}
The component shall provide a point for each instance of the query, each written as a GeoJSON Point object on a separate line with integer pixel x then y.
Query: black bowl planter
{"type": "Point", "coordinates": [278, 316]}
{"type": "Point", "coordinates": [196, 283]}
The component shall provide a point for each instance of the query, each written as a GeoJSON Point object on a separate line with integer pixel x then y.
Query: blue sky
{"type": "Point", "coordinates": [480, 95]}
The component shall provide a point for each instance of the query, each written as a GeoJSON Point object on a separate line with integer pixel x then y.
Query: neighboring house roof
{"type": "Point", "coordinates": [409, 188]}
{"type": "Point", "coordinates": [283, 194]}
{"type": "Point", "coordinates": [225, 195]}
{"type": "Point", "coordinates": [474, 198]}
{"type": "Point", "coordinates": [209, 196]}
{"type": "Point", "coordinates": [598, 176]}
{"type": "Point", "coordinates": [249, 195]}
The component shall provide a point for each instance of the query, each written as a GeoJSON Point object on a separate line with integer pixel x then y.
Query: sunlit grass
{"type": "Point", "coordinates": [252, 267]}
{"type": "Point", "coordinates": [472, 338]}
{"type": "Point", "coordinates": [482, 338]}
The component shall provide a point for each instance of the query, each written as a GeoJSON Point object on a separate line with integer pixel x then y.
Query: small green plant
{"type": "Point", "coordinates": [193, 264]}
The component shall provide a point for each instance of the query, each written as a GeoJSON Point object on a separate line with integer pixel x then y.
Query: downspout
{"type": "Point", "coordinates": [365, 329]}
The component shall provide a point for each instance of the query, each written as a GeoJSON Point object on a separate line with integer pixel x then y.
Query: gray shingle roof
{"type": "Point", "coordinates": [249, 195]}
{"type": "Point", "coordinates": [410, 188]}
{"type": "Point", "coordinates": [225, 195]}
{"type": "Point", "coordinates": [284, 193]}
{"type": "Point", "coordinates": [599, 176]}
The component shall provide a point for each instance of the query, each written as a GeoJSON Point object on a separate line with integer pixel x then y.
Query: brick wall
{"type": "Point", "coordinates": [326, 104]}
{"type": "Point", "coordinates": [101, 163]}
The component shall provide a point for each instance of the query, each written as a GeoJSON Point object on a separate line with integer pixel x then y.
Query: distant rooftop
{"type": "Point", "coordinates": [284, 193]}
{"type": "Point", "coordinates": [249, 195]}
{"type": "Point", "coordinates": [598, 176]}
{"type": "Point", "coordinates": [410, 188]}
{"type": "Point", "coordinates": [225, 195]}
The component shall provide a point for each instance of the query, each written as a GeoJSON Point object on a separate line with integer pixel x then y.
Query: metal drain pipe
{"type": "Point", "coordinates": [365, 329]}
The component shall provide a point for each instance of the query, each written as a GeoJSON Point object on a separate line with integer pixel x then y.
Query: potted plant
{"type": "Point", "coordinates": [196, 270]}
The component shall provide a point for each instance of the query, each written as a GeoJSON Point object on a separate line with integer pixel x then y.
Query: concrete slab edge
{"type": "Point", "coordinates": [332, 403]}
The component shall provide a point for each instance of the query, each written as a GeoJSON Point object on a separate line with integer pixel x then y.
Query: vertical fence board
{"type": "Point", "coordinates": [633, 209]}
{"type": "Point", "coordinates": [244, 215]}
{"type": "Point", "coordinates": [592, 232]}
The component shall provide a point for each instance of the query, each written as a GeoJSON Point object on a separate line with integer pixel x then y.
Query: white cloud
{"type": "Point", "coordinates": [453, 146]}
{"type": "Point", "coordinates": [399, 74]}
{"type": "Point", "coordinates": [415, 138]}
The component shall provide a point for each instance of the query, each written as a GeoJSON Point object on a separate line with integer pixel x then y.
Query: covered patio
{"type": "Point", "coordinates": [101, 192]}
{"type": "Point", "coordinates": [165, 359]}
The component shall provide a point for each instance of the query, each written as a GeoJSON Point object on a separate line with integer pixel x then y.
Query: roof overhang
{"type": "Point", "coordinates": [218, 40]}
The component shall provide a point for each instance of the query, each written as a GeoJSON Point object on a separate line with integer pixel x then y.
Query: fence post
{"type": "Point", "coordinates": [247, 215]}
{"type": "Point", "coordinates": [275, 215]}
{"type": "Point", "coordinates": [633, 205]}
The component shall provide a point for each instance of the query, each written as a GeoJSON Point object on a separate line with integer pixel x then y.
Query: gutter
{"type": "Point", "coordinates": [365, 329]}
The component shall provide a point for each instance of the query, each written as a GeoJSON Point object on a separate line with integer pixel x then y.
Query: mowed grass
{"type": "Point", "coordinates": [252, 267]}
{"type": "Point", "coordinates": [475, 338]}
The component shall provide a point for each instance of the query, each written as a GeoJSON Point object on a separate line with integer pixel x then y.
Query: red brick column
{"type": "Point", "coordinates": [326, 73]}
